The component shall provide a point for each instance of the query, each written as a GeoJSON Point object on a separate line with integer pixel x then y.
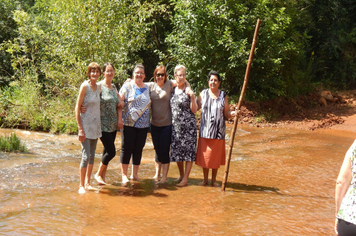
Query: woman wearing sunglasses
{"type": "Point", "coordinates": [161, 120]}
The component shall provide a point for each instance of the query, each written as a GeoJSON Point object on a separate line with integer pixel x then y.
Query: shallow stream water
{"type": "Point", "coordinates": [281, 182]}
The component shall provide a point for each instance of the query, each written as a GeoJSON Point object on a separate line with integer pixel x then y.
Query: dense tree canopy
{"type": "Point", "coordinates": [45, 46]}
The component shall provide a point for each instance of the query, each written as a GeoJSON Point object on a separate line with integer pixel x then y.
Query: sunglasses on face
{"type": "Point", "coordinates": [160, 75]}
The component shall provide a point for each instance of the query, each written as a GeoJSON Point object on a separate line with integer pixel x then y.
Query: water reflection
{"type": "Point", "coordinates": [281, 182]}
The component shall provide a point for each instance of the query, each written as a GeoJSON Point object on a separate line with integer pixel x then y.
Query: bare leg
{"type": "Point", "coordinates": [82, 172]}
{"type": "Point", "coordinates": [124, 168]}
{"type": "Point", "coordinates": [181, 171]}
{"type": "Point", "coordinates": [206, 176]}
{"type": "Point", "coordinates": [213, 178]}
{"type": "Point", "coordinates": [165, 168]}
{"type": "Point", "coordinates": [188, 167]}
{"type": "Point", "coordinates": [134, 173]}
{"type": "Point", "coordinates": [104, 172]}
{"type": "Point", "coordinates": [158, 171]}
{"type": "Point", "coordinates": [100, 175]}
{"type": "Point", "coordinates": [88, 176]}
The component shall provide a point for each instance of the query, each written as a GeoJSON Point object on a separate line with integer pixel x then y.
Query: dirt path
{"type": "Point", "coordinates": [303, 113]}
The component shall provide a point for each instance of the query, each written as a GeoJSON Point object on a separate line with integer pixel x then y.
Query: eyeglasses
{"type": "Point", "coordinates": [160, 75]}
{"type": "Point", "coordinates": [109, 71]}
{"type": "Point", "coordinates": [181, 76]}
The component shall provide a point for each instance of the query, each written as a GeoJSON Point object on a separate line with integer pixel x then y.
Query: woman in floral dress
{"type": "Point", "coordinates": [184, 130]}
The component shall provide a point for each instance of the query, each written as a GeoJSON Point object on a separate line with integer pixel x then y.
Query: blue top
{"type": "Point", "coordinates": [135, 112]}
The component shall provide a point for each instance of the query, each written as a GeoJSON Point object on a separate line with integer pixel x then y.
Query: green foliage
{"type": "Point", "coordinates": [90, 30]}
{"type": "Point", "coordinates": [217, 35]}
{"type": "Point", "coordinates": [24, 106]}
{"type": "Point", "coordinates": [46, 45]}
{"type": "Point", "coordinates": [333, 44]}
{"type": "Point", "coordinates": [11, 144]}
{"type": "Point", "coordinates": [8, 31]}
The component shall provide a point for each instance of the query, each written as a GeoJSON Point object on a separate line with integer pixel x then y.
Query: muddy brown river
{"type": "Point", "coordinates": [281, 182]}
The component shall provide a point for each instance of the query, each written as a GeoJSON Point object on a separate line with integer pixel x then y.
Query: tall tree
{"type": "Point", "coordinates": [211, 34]}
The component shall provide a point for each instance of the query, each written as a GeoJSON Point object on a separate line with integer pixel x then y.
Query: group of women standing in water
{"type": "Point", "coordinates": [101, 110]}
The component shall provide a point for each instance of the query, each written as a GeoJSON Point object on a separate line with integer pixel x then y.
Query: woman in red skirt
{"type": "Point", "coordinates": [211, 144]}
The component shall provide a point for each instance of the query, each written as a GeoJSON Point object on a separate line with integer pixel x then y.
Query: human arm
{"type": "Point", "coordinates": [342, 184]}
{"type": "Point", "coordinates": [199, 102]}
{"type": "Point", "coordinates": [227, 112]}
{"type": "Point", "coordinates": [120, 124]}
{"type": "Point", "coordinates": [80, 99]}
{"type": "Point", "coordinates": [121, 101]}
{"type": "Point", "coordinates": [193, 102]}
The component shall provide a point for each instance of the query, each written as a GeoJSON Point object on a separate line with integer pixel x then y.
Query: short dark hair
{"type": "Point", "coordinates": [213, 72]}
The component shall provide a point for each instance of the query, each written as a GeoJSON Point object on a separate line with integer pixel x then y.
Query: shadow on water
{"type": "Point", "coordinates": [148, 187]}
{"type": "Point", "coordinates": [251, 188]}
{"type": "Point", "coordinates": [142, 188]}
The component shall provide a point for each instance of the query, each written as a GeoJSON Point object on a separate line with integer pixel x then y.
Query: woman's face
{"type": "Point", "coordinates": [94, 74]}
{"type": "Point", "coordinates": [214, 82]}
{"type": "Point", "coordinates": [109, 72]}
{"type": "Point", "coordinates": [180, 76]}
{"type": "Point", "coordinates": [160, 77]}
{"type": "Point", "coordinates": [139, 76]}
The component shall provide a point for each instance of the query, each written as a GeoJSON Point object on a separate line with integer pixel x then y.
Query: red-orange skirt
{"type": "Point", "coordinates": [210, 153]}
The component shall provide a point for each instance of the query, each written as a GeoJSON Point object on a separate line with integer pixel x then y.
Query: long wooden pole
{"type": "Point", "coordinates": [233, 131]}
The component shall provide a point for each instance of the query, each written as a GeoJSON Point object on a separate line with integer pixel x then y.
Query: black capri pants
{"type": "Point", "coordinates": [161, 138]}
{"type": "Point", "coordinates": [132, 142]}
{"type": "Point", "coordinates": [345, 228]}
{"type": "Point", "coordinates": [109, 152]}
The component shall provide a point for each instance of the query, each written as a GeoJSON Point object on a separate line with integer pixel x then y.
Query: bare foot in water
{"type": "Point", "coordinates": [179, 180]}
{"type": "Point", "coordinates": [136, 178]}
{"type": "Point", "coordinates": [99, 179]}
{"type": "Point", "coordinates": [156, 177]}
{"type": "Point", "coordinates": [215, 184]}
{"type": "Point", "coordinates": [162, 181]}
{"type": "Point", "coordinates": [90, 188]}
{"type": "Point", "coordinates": [203, 183]}
{"type": "Point", "coordinates": [125, 180]}
{"type": "Point", "coordinates": [182, 184]}
{"type": "Point", "coordinates": [81, 190]}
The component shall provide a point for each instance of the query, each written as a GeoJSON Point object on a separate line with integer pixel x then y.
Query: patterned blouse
{"type": "Point", "coordinates": [212, 124]}
{"type": "Point", "coordinates": [91, 118]}
{"type": "Point", "coordinates": [135, 112]}
{"type": "Point", "coordinates": [347, 210]}
{"type": "Point", "coordinates": [108, 104]}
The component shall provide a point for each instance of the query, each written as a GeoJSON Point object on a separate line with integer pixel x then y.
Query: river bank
{"type": "Point", "coordinates": [304, 113]}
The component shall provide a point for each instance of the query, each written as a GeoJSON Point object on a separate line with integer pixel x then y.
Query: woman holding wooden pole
{"type": "Point", "coordinates": [211, 144]}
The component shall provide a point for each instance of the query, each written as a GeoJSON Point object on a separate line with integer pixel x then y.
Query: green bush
{"type": "Point", "coordinates": [11, 144]}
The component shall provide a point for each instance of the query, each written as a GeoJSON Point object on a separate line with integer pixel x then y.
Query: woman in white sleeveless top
{"type": "Point", "coordinates": [89, 124]}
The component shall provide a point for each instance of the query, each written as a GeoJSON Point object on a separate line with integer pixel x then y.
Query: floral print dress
{"type": "Point", "coordinates": [347, 210]}
{"type": "Point", "coordinates": [184, 129]}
